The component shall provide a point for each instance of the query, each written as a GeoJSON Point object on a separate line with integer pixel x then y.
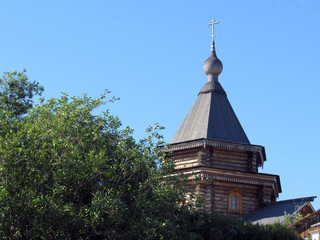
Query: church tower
{"type": "Point", "coordinates": [212, 148]}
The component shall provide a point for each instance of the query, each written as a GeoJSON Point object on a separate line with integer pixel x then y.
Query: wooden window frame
{"type": "Point", "coordinates": [237, 194]}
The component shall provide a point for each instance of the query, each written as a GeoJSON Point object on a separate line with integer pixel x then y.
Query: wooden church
{"type": "Point", "coordinates": [212, 148]}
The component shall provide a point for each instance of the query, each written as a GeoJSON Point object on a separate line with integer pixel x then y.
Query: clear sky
{"type": "Point", "coordinates": [151, 54]}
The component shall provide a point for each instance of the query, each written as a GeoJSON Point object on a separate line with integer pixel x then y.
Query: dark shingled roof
{"type": "Point", "coordinates": [275, 212]}
{"type": "Point", "coordinates": [211, 117]}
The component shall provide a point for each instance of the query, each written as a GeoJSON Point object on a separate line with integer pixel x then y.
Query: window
{"type": "Point", "coordinates": [234, 201]}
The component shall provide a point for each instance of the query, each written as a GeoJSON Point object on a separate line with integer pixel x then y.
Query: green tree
{"type": "Point", "coordinates": [67, 174]}
{"type": "Point", "coordinates": [292, 218]}
{"type": "Point", "coordinates": [17, 92]}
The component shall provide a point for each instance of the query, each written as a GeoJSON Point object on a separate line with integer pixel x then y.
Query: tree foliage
{"type": "Point", "coordinates": [292, 218]}
{"type": "Point", "coordinates": [17, 92]}
{"type": "Point", "coordinates": [66, 173]}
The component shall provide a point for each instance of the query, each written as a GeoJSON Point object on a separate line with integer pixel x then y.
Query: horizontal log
{"type": "Point", "coordinates": [181, 166]}
{"type": "Point", "coordinates": [231, 153]}
{"type": "Point", "coordinates": [229, 156]}
{"type": "Point", "coordinates": [227, 166]}
{"type": "Point", "coordinates": [232, 168]}
{"type": "Point", "coordinates": [230, 161]}
{"type": "Point", "coordinates": [191, 159]}
{"type": "Point", "coordinates": [184, 155]}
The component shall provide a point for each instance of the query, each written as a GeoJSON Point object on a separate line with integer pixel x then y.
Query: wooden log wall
{"type": "Point", "coordinates": [234, 160]}
{"type": "Point", "coordinates": [249, 195]}
{"type": "Point", "coordinates": [243, 161]}
{"type": "Point", "coordinates": [215, 192]}
{"type": "Point", "coordinates": [186, 158]}
{"type": "Point", "coordinates": [215, 195]}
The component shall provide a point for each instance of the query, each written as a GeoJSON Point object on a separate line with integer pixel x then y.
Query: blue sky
{"type": "Point", "coordinates": [151, 54]}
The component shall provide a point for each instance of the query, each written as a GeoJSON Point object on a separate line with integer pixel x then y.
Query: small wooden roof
{"type": "Point", "coordinates": [211, 117]}
{"type": "Point", "coordinates": [307, 222]}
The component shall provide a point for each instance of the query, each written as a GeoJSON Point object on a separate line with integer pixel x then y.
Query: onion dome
{"type": "Point", "coordinates": [212, 66]}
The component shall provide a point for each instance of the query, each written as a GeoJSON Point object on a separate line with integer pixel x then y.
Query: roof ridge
{"type": "Point", "coordinates": [307, 199]}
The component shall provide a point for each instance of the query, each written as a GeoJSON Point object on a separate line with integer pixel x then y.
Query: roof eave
{"type": "Point", "coordinates": [204, 142]}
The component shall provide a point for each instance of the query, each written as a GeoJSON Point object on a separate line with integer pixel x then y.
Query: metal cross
{"type": "Point", "coordinates": [213, 22]}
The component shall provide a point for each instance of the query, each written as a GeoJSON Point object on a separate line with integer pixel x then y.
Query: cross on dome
{"type": "Point", "coordinates": [213, 22]}
{"type": "Point", "coordinates": [213, 66]}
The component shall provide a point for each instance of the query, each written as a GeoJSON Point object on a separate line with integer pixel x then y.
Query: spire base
{"type": "Point", "coordinates": [212, 77]}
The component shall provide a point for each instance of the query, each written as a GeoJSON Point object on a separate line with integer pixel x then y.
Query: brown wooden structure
{"type": "Point", "coordinates": [211, 147]}
{"type": "Point", "coordinates": [308, 225]}
{"type": "Point", "coordinates": [226, 174]}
